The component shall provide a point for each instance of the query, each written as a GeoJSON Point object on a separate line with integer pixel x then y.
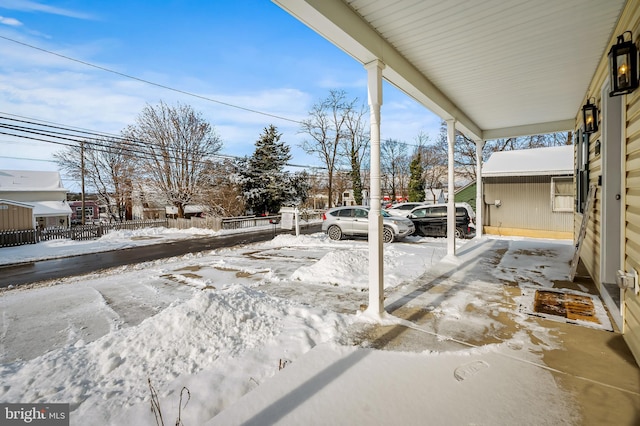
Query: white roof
{"type": "Point", "coordinates": [50, 208]}
{"type": "Point", "coordinates": [557, 160]}
{"type": "Point", "coordinates": [30, 180]}
{"type": "Point", "coordinates": [187, 209]}
{"type": "Point", "coordinates": [16, 203]}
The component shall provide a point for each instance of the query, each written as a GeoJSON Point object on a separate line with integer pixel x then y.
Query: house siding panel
{"type": "Point", "coordinates": [632, 324]}
{"type": "Point", "coordinates": [630, 163]}
{"type": "Point", "coordinates": [528, 206]}
{"type": "Point", "coordinates": [13, 217]}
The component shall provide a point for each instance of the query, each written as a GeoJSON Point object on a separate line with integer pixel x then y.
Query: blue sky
{"type": "Point", "coordinates": [248, 53]}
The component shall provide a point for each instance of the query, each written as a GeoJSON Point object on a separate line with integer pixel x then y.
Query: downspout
{"type": "Point", "coordinates": [479, 188]}
{"type": "Point", "coordinates": [451, 202]}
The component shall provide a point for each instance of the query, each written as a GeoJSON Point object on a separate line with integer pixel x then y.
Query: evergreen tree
{"type": "Point", "coordinates": [266, 186]}
{"type": "Point", "coordinates": [416, 180]}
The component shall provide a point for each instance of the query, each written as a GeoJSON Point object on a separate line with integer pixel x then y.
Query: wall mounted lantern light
{"type": "Point", "coordinates": [623, 66]}
{"type": "Point", "coordinates": [590, 116]}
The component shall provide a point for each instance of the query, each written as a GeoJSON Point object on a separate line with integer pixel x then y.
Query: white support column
{"type": "Point", "coordinates": [479, 188]}
{"type": "Point", "coordinates": [451, 203]}
{"type": "Point", "coordinates": [376, 277]}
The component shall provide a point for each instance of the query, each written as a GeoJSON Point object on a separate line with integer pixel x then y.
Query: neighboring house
{"type": "Point", "coordinates": [189, 211]}
{"type": "Point", "coordinates": [91, 211]}
{"type": "Point", "coordinates": [349, 200]}
{"type": "Point", "coordinates": [529, 193]}
{"type": "Point", "coordinates": [467, 194]}
{"type": "Point", "coordinates": [434, 196]}
{"type": "Point", "coordinates": [146, 204]}
{"type": "Point", "coordinates": [41, 190]}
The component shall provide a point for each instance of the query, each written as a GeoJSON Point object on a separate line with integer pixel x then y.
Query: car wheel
{"type": "Point", "coordinates": [387, 235]}
{"type": "Point", "coordinates": [459, 233]}
{"type": "Point", "coordinates": [334, 232]}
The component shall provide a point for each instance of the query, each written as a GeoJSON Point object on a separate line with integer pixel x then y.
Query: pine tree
{"type": "Point", "coordinates": [266, 186]}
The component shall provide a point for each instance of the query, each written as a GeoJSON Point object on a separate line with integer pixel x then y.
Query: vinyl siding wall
{"type": "Point", "coordinates": [590, 253]}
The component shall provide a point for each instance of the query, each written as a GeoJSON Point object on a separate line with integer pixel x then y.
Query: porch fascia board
{"type": "Point", "coordinates": [530, 129]}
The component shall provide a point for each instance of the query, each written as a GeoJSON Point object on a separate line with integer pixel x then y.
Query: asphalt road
{"type": "Point", "coordinates": [31, 272]}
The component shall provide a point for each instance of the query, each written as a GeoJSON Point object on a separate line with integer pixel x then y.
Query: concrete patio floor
{"type": "Point", "coordinates": [593, 366]}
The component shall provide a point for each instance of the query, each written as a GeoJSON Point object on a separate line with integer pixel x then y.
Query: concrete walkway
{"type": "Point", "coordinates": [429, 364]}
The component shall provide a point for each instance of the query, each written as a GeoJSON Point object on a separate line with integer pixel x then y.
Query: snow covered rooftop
{"type": "Point", "coordinates": [50, 208]}
{"type": "Point", "coordinates": [557, 160]}
{"type": "Point", "coordinates": [30, 180]}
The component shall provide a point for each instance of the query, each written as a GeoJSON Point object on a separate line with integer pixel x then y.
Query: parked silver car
{"type": "Point", "coordinates": [339, 222]}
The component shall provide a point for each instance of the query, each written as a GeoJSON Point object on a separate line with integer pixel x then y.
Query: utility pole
{"type": "Point", "coordinates": [82, 177]}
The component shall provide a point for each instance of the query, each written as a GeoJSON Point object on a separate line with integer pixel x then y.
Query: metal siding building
{"type": "Point", "coordinates": [529, 193]}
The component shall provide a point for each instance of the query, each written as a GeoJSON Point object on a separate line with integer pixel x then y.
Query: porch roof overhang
{"type": "Point", "coordinates": [499, 68]}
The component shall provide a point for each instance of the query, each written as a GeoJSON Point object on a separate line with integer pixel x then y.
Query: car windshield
{"type": "Point", "coordinates": [385, 213]}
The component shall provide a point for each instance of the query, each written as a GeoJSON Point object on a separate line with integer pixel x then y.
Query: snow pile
{"type": "Point", "coordinates": [210, 331]}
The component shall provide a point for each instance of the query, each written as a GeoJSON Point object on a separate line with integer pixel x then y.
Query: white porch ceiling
{"type": "Point", "coordinates": [499, 67]}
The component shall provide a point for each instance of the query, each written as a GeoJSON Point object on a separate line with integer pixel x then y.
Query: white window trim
{"type": "Point", "coordinates": [569, 207]}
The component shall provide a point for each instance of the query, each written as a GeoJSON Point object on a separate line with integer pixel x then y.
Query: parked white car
{"type": "Point", "coordinates": [403, 209]}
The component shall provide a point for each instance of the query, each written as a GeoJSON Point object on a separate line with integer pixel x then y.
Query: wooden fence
{"type": "Point", "coordinates": [89, 232]}
{"type": "Point", "coordinates": [214, 223]}
{"type": "Point", "coordinates": [17, 237]}
{"type": "Point", "coordinates": [83, 232]}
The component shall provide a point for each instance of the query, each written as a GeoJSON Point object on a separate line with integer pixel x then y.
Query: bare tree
{"type": "Point", "coordinates": [221, 195]}
{"type": "Point", "coordinates": [176, 142]}
{"type": "Point", "coordinates": [108, 170]}
{"type": "Point", "coordinates": [394, 164]}
{"type": "Point", "coordinates": [356, 145]}
{"type": "Point", "coordinates": [465, 148]}
{"type": "Point", "coordinates": [326, 128]}
{"type": "Point", "coordinates": [434, 165]}
{"type": "Point", "coordinates": [342, 182]}
{"type": "Point", "coordinates": [317, 183]}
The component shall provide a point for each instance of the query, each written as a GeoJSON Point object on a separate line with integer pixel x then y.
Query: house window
{"type": "Point", "coordinates": [562, 194]}
{"type": "Point", "coordinates": [88, 211]}
{"type": "Point", "coordinates": [582, 170]}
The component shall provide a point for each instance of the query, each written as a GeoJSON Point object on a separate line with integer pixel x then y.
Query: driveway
{"type": "Point", "coordinates": [31, 272]}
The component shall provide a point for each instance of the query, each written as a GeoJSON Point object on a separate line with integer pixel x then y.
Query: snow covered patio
{"type": "Point", "coordinates": [460, 346]}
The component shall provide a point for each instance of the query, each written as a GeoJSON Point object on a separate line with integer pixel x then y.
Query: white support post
{"type": "Point", "coordinates": [376, 277]}
{"type": "Point", "coordinates": [479, 188]}
{"type": "Point", "coordinates": [451, 203]}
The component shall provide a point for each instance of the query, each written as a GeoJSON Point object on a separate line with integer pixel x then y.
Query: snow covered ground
{"type": "Point", "coordinates": [217, 323]}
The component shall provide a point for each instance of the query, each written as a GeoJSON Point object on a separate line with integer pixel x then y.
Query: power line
{"type": "Point", "coordinates": [28, 159]}
{"type": "Point", "coordinates": [68, 134]}
{"type": "Point", "coordinates": [90, 137]}
{"type": "Point", "coordinates": [184, 92]}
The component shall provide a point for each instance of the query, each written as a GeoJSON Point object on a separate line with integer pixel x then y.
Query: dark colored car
{"type": "Point", "coordinates": [431, 221]}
